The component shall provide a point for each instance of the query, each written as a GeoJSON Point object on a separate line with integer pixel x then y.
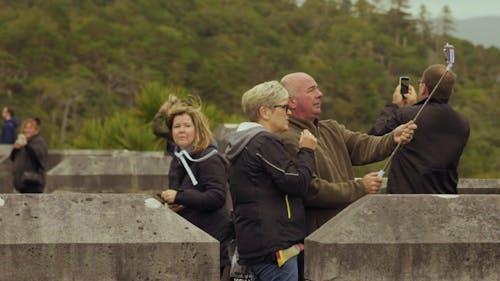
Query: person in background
{"type": "Point", "coordinates": [160, 128]}
{"type": "Point", "coordinates": [334, 186]}
{"type": "Point", "coordinates": [267, 186]}
{"type": "Point", "coordinates": [429, 164]}
{"type": "Point", "coordinates": [9, 129]}
{"type": "Point", "coordinates": [29, 157]}
{"type": "Point", "coordinates": [198, 174]}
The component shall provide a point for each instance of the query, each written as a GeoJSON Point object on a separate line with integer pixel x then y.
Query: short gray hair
{"type": "Point", "coordinates": [265, 94]}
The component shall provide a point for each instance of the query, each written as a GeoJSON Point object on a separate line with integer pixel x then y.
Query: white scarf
{"type": "Point", "coordinates": [183, 154]}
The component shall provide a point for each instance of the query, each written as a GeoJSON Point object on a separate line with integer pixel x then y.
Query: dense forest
{"type": "Point", "coordinates": [96, 71]}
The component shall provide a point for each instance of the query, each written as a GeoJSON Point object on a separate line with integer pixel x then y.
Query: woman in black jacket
{"type": "Point", "coordinates": [29, 157]}
{"type": "Point", "coordinates": [267, 186]}
{"type": "Point", "coordinates": [198, 174]}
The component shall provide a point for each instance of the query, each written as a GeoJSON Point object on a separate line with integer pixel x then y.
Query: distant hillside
{"type": "Point", "coordinates": [480, 30]}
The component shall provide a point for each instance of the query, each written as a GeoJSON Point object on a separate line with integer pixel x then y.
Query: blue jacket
{"type": "Point", "coordinates": [9, 131]}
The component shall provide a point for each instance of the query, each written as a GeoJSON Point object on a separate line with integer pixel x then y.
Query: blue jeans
{"type": "Point", "coordinates": [271, 271]}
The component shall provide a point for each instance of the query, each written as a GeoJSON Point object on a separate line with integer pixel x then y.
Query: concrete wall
{"type": "Point", "coordinates": [109, 171]}
{"type": "Point", "coordinates": [100, 237]}
{"type": "Point", "coordinates": [96, 171]}
{"type": "Point", "coordinates": [468, 186]}
{"type": "Point", "coordinates": [409, 237]}
{"type": "Point", "coordinates": [478, 186]}
{"type": "Point", "coordinates": [132, 171]}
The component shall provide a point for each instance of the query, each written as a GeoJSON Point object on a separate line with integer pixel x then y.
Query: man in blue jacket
{"type": "Point", "coordinates": [9, 129]}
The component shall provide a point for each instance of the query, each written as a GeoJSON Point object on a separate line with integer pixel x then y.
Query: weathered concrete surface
{"type": "Point", "coordinates": [5, 169]}
{"type": "Point", "coordinates": [4, 151]}
{"type": "Point", "coordinates": [468, 186]}
{"type": "Point", "coordinates": [478, 186]}
{"type": "Point", "coordinates": [100, 237]}
{"type": "Point", "coordinates": [109, 171]}
{"type": "Point", "coordinates": [409, 237]}
{"type": "Point", "coordinates": [97, 171]}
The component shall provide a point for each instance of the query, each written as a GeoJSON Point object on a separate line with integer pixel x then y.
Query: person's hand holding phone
{"type": "Point", "coordinates": [406, 99]}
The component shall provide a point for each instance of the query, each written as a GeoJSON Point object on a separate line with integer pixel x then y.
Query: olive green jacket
{"type": "Point", "coordinates": [338, 149]}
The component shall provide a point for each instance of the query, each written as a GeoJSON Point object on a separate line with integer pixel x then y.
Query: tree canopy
{"type": "Point", "coordinates": [87, 68]}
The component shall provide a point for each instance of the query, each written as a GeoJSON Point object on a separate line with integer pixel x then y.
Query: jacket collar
{"type": "Point", "coordinates": [433, 100]}
{"type": "Point", "coordinates": [305, 124]}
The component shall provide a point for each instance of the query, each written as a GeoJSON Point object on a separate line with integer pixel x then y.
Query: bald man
{"type": "Point", "coordinates": [338, 149]}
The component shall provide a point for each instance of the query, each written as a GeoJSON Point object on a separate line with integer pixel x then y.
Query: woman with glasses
{"type": "Point", "coordinates": [267, 186]}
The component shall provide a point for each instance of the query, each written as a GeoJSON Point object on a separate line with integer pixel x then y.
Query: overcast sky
{"type": "Point", "coordinates": [460, 9]}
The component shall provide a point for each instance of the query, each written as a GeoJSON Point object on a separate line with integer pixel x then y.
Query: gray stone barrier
{"type": "Point", "coordinates": [134, 171]}
{"type": "Point", "coordinates": [409, 237]}
{"type": "Point", "coordinates": [100, 237]}
{"type": "Point", "coordinates": [478, 186]}
{"type": "Point", "coordinates": [468, 186]}
{"type": "Point", "coordinates": [4, 151]}
{"type": "Point", "coordinates": [109, 171]}
{"type": "Point", "coordinates": [97, 171]}
{"type": "Point", "coordinates": [5, 169]}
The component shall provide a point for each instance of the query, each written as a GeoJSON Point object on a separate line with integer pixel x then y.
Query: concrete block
{"type": "Point", "coordinates": [5, 169]}
{"type": "Point", "coordinates": [4, 151]}
{"type": "Point", "coordinates": [409, 237]}
{"type": "Point", "coordinates": [109, 171]}
{"type": "Point", "coordinates": [100, 237]}
{"type": "Point", "coordinates": [467, 186]}
{"type": "Point", "coordinates": [478, 186]}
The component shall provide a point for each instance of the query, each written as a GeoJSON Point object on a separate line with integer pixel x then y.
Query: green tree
{"type": "Point", "coordinates": [446, 21]}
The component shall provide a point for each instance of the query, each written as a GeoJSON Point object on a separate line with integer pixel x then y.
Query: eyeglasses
{"type": "Point", "coordinates": [284, 106]}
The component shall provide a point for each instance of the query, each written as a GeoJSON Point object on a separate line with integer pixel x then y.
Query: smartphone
{"type": "Point", "coordinates": [404, 82]}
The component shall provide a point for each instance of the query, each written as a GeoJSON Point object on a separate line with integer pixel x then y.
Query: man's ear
{"type": "Point", "coordinates": [292, 103]}
{"type": "Point", "coordinates": [424, 91]}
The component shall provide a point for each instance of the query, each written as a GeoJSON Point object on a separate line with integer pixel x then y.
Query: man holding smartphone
{"type": "Point", "coordinates": [428, 164]}
{"type": "Point", "coordinates": [404, 94]}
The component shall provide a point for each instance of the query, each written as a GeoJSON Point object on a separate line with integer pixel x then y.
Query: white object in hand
{"type": "Point", "coordinates": [380, 173]}
{"type": "Point", "coordinates": [20, 139]}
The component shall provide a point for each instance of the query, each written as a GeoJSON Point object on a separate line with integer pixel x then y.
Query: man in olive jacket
{"type": "Point", "coordinates": [338, 149]}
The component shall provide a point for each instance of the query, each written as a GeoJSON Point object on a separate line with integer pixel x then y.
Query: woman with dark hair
{"type": "Point", "coordinates": [29, 157]}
